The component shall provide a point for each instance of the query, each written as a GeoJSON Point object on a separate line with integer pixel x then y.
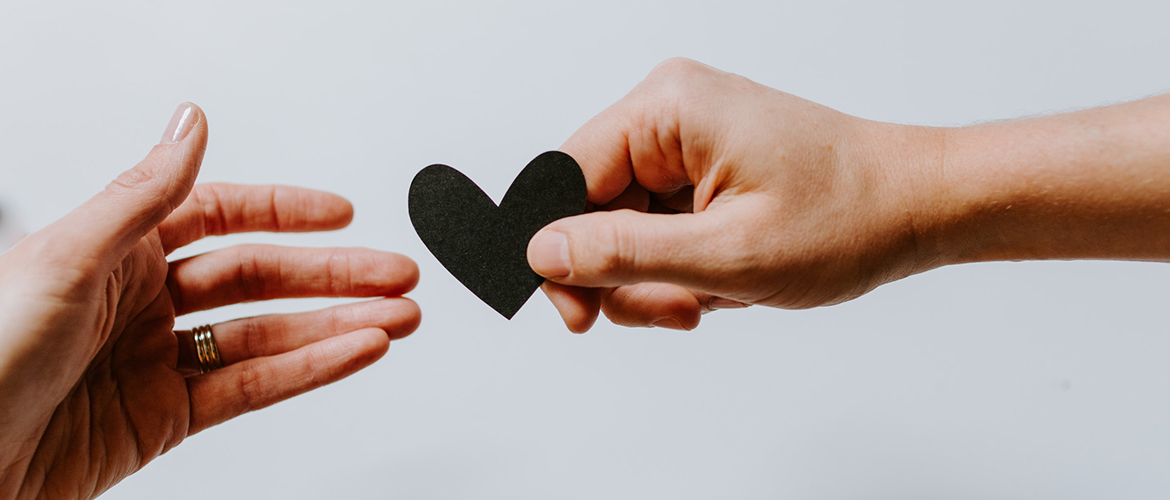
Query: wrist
{"type": "Point", "coordinates": [977, 204]}
{"type": "Point", "coordinates": [979, 193]}
{"type": "Point", "coordinates": [907, 162]}
{"type": "Point", "coordinates": [990, 192]}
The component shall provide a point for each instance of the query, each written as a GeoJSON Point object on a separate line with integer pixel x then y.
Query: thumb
{"type": "Point", "coordinates": [607, 249]}
{"type": "Point", "coordinates": [107, 226]}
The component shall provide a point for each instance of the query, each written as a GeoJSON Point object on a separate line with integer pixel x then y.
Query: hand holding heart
{"type": "Point", "coordinates": [711, 191]}
{"type": "Point", "coordinates": [483, 245]}
{"type": "Point", "coordinates": [706, 191]}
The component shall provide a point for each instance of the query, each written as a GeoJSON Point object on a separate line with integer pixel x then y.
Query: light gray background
{"type": "Point", "coordinates": [1011, 380]}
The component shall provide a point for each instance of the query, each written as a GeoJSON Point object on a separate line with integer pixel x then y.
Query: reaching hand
{"type": "Point", "coordinates": [93, 381]}
{"type": "Point", "coordinates": [733, 194]}
{"type": "Point", "coordinates": [710, 191]}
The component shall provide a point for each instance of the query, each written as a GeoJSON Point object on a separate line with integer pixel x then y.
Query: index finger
{"type": "Point", "coordinates": [217, 209]}
{"type": "Point", "coordinates": [640, 138]}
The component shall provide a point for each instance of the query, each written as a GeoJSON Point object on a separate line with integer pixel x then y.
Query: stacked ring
{"type": "Point", "coordinates": [206, 350]}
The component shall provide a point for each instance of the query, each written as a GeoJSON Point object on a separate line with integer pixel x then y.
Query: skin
{"type": "Point", "coordinates": [94, 383]}
{"type": "Point", "coordinates": [711, 191]}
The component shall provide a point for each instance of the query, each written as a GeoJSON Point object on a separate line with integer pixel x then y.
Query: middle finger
{"type": "Point", "coordinates": [248, 273]}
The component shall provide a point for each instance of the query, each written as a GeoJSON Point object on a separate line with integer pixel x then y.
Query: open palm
{"type": "Point", "coordinates": [94, 382]}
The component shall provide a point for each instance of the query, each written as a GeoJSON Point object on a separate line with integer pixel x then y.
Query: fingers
{"type": "Point", "coordinates": [219, 209]}
{"type": "Point", "coordinates": [641, 136]}
{"type": "Point", "coordinates": [108, 225]}
{"type": "Point", "coordinates": [260, 382]}
{"type": "Point", "coordinates": [579, 307]}
{"type": "Point", "coordinates": [261, 272]}
{"type": "Point", "coordinates": [601, 147]}
{"type": "Point", "coordinates": [662, 305]}
{"type": "Point", "coordinates": [270, 335]}
{"type": "Point", "coordinates": [653, 304]}
{"type": "Point", "coordinates": [248, 338]}
{"type": "Point", "coordinates": [642, 305]}
{"type": "Point", "coordinates": [635, 198]}
{"type": "Point", "coordinates": [707, 251]}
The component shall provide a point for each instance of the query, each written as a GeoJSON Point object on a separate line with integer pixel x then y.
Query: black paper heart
{"type": "Point", "coordinates": [485, 246]}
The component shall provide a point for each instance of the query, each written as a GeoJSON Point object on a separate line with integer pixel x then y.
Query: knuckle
{"type": "Point", "coordinates": [615, 248]}
{"type": "Point", "coordinates": [250, 386]}
{"type": "Point", "coordinates": [140, 183]}
{"type": "Point", "coordinates": [319, 367]}
{"type": "Point", "coordinates": [256, 341]}
{"type": "Point", "coordinates": [678, 67]}
{"type": "Point", "coordinates": [342, 319]}
{"type": "Point", "coordinates": [134, 178]}
{"type": "Point", "coordinates": [208, 198]}
{"type": "Point", "coordinates": [338, 273]}
{"type": "Point", "coordinates": [676, 78]}
{"type": "Point", "coordinates": [249, 273]}
{"type": "Point", "coordinates": [282, 219]}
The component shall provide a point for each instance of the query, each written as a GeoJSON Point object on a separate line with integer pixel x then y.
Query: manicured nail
{"type": "Point", "coordinates": [180, 124]}
{"type": "Point", "coordinates": [722, 303]}
{"type": "Point", "coordinates": [671, 323]}
{"type": "Point", "coordinates": [550, 254]}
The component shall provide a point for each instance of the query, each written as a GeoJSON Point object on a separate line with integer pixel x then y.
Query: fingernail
{"type": "Point", "coordinates": [722, 303]}
{"type": "Point", "coordinates": [671, 323]}
{"type": "Point", "coordinates": [180, 124]}
{"type": "Point", "coordinates": [550, 254]}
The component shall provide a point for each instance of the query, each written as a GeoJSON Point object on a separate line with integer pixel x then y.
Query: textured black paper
{"type": "Point", "coordinates": [485, 246]}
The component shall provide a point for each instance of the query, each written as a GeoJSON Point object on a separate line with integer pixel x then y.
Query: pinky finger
{"type": "Point", "coordinates": [250, 385]}
{"type": "Point", "coordinates": [661, 304]}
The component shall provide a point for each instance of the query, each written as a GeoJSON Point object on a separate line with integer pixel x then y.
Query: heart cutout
{"type": "Point", "coordinates": [483, 245]}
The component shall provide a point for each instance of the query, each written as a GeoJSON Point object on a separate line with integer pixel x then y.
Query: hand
{"type": "Point", "coordinates": [93, 381]}
{"type": "Point", "coordinates": [710, 191]}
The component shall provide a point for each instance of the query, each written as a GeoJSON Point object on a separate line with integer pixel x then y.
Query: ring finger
{"type": "Point", "coordinates": [269, 335]}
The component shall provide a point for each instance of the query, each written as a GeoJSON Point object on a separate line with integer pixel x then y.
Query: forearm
{"type": "Point", "coordinates": [1093, 184]}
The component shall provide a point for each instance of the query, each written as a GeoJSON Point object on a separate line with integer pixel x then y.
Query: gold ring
{"type": "Point", "coordinates": [206, 350]}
